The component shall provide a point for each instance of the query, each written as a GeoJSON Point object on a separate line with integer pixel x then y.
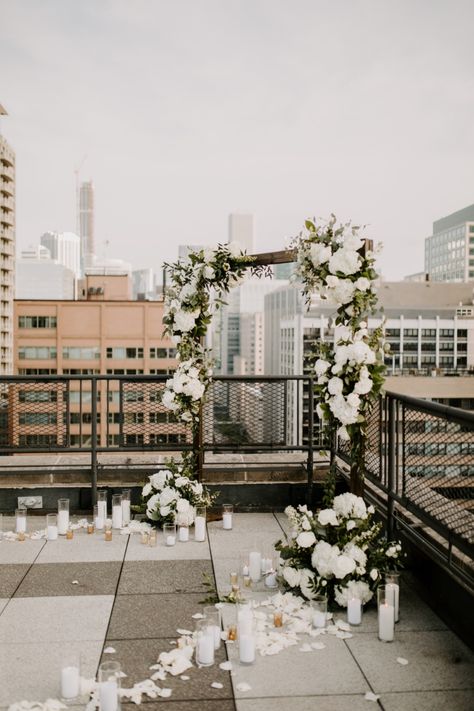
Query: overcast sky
{"type": "Point", "coordinates": [182, 111]}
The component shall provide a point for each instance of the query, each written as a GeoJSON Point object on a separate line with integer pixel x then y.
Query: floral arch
{"type": "Point", "coordinates": [334, 262]}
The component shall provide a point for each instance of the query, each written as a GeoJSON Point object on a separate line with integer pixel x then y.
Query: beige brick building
{"type": "Point", "coordinates": [7, 253]}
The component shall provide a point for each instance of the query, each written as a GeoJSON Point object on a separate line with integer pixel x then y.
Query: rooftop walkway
{"type": "Point", "coordinates": [87, 594]}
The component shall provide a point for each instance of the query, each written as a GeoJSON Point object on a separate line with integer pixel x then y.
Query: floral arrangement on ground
{"type": "Point", "coordinates": [171, 492]}
{"type": "Point", "coordinates": [339, 551]}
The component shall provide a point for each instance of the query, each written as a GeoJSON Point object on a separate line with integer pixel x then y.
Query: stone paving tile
{"type": "Point", "coordinates": [428, 701]}
{"type": "Point", "coordinates": [136, 656]}
{"type": "Point", "coordinates": [283, 521]}
{"type": "Point", "coordinates": [32, 671]}
{"type": "Point", "coordinates": [437, 660]}
{"type": "Point", "coordinates": [290, 673]}
{"type": "Point", "coordinates": [181, 551]}
{"type": "Point", "coordinates": [53, 579]}
{"type": "Point", "coordinates": [209, 705]}
{"type": "Point", "coordinates": [3, 604]}
{"type": "Point", "coordinates": [248, 530]}
{"type": "Point", "coordinates": [145, 616]}
{"type": "Point", "coordinates": [164, 576]}
{"type": "Point", "coordinates": [55, 619]}
{"type": "Point", "coordinates": [84, 549]}
{"type": "Point", "coordinates": [349, 702]}
{"type": "Point", "coordinates": [18, 552]}
{"type": "Point", "coordinates": [11, 576]}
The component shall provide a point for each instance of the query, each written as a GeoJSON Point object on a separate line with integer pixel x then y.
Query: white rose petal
{"type": "Point", "coordinates": [217, 685]}
{"type": "Point", "coordinates": [370, 696]}
{"type": "Point", "coordinates": [402, 661]}
{"type": "Point", "coordinates": [243, 686]}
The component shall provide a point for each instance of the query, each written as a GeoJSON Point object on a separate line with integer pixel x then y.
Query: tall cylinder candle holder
{"type": "Point", "coordinates": [392, 587]}
{"type": "Point", "coordinates": [126, 506]}
{"type": "Point", "coordinates": [200, 524]}
{"type": "Point", "coordinates": [99, 520]}
{"type": "Point", "coordinates": [354, 610]}
{"type": "Point", "coordinates": [20, 522]}
{"type": "Point", "coordinates": [244, 563]}
{"type": "Point", "coordinates": [271, 570]}
{"type": "Point", "coordinates": [102, 506]}
{"type": "Point", "coordinates": [213, 617]}
{"type": "Point", "coordinates": [169, 534]}
{"type": "Point", "coordinates": [109, 686]}
{"type": "Point", "coordinates": [246, 635]}
{"type": "Point", "coordinates": [183, 527]}
{"type": "Point", "coordinates": [117, 511]}
{"type": "Point", "coordinates": [319, 611]}
{"type": "Point", "coordinates": [108, 531]}
{"type": "Point", "coordinates": [70, 676]}
{"type": "Point", "coordinates": [386, 614]}
{"type": "Point", "coordinates": [205, 644]}
{"type": "Point", "coordinates": [227, 516]}
{"type": "Point", "coordinates": [63, 516]}
{"type": "Point", "coordinates": [255, 564]}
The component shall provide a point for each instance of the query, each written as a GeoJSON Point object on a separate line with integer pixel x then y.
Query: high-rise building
{"type": "Point", "coordinates": [241, 230]}
{"type": "Point", "coordinates": [7, 252]}
{"type": "Point", "coordinates": [86, 223]}
{"type": "Point", "coordinates": [143, 284]}
{"type": "Point", "coordinates": [449, 251]}
{"type": "Point", "coordinates": [40, 277]}
{"type": "Point", "coordinates": [65, 248]}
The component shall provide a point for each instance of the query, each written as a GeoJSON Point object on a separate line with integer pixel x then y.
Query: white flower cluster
{"type": "Point", "coordinates": [187, 382]}
{"type": "Point", "coordinates": [170, 494]}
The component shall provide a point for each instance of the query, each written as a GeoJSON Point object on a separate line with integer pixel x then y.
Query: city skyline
{"type": "Point", "coordinates": [182, 113]}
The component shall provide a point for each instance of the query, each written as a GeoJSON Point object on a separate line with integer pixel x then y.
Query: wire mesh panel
{"type": "Point", "coordinates": [436, 468]}
{"type": "Point", "coordinates": [375, 449]}
{"type": "Point", "coordinates": [251, 413]}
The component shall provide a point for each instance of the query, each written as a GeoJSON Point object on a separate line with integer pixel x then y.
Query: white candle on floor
{"type": "Point", "coordinates": [245, 570]}
{"type": "Point", "coordinates": [271, 580]}
{"type": "Point", "coordinates": [21, 524]}
{"type": "Point", "coordinates": [354, 611]}
{"type": "Point", "coordinates": [108, 695]}
{"type": "Point", "coordinates": [99, 522]}
{"type": "Point", "coordinates": [246, 648]}
{"type": "Point", "coordinates": [227, 521]}
{"type": "Point", "coordinates": [183, 533]}
{"type": "Point", "coordinates": [216, 631]}
{"type": "Point", "coordinates": [102, 509]}
{"type": "Point", "coordinates": [63, 522]}
{"type": "Point", "coordinates": [255, 565]}
{"type": "Point", "coordinates": [319, 619]}
{"type": "Point", "coordinates": [52, 533]}
{"type": "Point", "coordinates": [392, 591]}
{"type": "Point", "coordinates": [125, 512]}
{"type": "Point", "coordinates": [205, 649]}
{"type": "Point", "coordinates": [386, 622]}
{"type": "Point", "coordinates": [170, 540]}
{"type": "Point", "coordinates": [117, 516]}
{"type": "Point", "coordinates": [70, 682]}
{"type": "Point", "coordinates": [200, 529]}
{"type": "Point", "coordinates": [245, 620]}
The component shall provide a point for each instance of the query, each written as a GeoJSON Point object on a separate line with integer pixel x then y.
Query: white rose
{"type": "Point", "coordinates": [320, 253]}
{"type": "Point", "coordinates": [147, 489]}
{"type": "Point", "coordinates": [363, 387]}
{"type": "Point", "coordinates": [165, 510]}
{"type": "Point", "coordinates": [343, 292]}
{"type": "Point", "coordinates": [158, 480]}
{"type": "Point", "coordinates": [321, 366]}
{"type": "Point", "coordinates": [292, 576]}
{"type": "Point", "coordinates": [350, 525]}
{"type": "Point", "coordinates": [344, 260]}
{"type": "Point", "coordinates": [195, 389]}
{"type": "Point", "coordinates": [374, 574]}
{"type": "Point", "coordinates": [306, 525]}
{"type": "Point", "coordinates": [185, 321]}
{"type": "Point", "coordinates": [169, 401]}
{"type": "Point", "coordinates": [353, 241]}
{"type": "Point", "coordinates": [209, 273]}
{"type": "Point", "coordinates": [168, 495]}
{"type": "Point", "coordinates": [327, 517]}
{"type": "Point", "coordinates": [343, 434]}
{"type": "Point", "coordinates": [182, 506]}
{"type": "Point", "coordinates": [370, 509]}
{"type": "Point", "coordinates": [306, 539]}
{"type": "Point", "coordinates": [343, 565]}
{"type": "Point", "coordinates": [322, 558]}
{"type": "Point", "coordinates": [181, 481]}
{"type": "Point", "coordinates": [362, 284]}
{"type": "Point", "coordinates": [179, 381]}
{"type": "Point", "coordinates": [187, 291]}
{"type": "Point", "coordinates": [353, 400]}
{"type": "Point", "coordinates": [306, 581]}
{"type": "Point", "coordinates": [335, 386]}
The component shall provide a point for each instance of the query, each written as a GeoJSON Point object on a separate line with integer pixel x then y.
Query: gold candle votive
{"type": "Point", "coordinates": [232, 633]}
{"type": "Point", "coordinates": [278, 618]}
{"type": "Point", "coordinates": [69, 534]}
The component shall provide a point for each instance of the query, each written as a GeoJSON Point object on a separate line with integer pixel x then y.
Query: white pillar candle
{"type": "Point", "coordinates": [216, 631]}
{"type": "Point", "coordinates": [255, 565]}
{"type": "Point", "coordinates": [102, 509]}
{"type": "Point", "coordinates": [245, 570]}
{"type": "Point", "coordinates": [183, 533]}
{"type": "Point", "coordinates": [99, 522]}
{"type": "Point", "coordinates": [246, 648]}
{"type": "Point", "coordinates": [354, 611]}
{"type": "Point", "coordinates": [117, 516]}
{"type": "Point", "coordinates": [125, 512]}
{"type": "Point", "coordinates": [170, 540]}
{"type": "Point", "coordinates": [21, 524]}
{"type": "Point", "coordinates": [63, 522]}
{"type": "Point", "coordinates": [200, 529]}
{"type": "Point", "coordinates": [70, 682]}
{"type": "Point", "coordinates": [227, 521]}
{"type": "Point", "coordinates": [108, 695]}
{"type": "Point", "coordinates": [271, 580]}
{"type": "Point", "coordinates": [266, 564]}
{"type": "Point", "coordinates": [386, 622]}
{"type": "Point", "coordinates": [245, 620]}
{"type": "Point", "coordinates": [319, 619]}
{"type": "Point", "coordinates": [52, 533]}
{"type": "Point", "coordinates": [205, 649]}
{"type": "Point", "coordinates": [392, 591]}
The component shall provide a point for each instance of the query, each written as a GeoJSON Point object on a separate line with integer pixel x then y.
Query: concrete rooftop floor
{"type": "Point", "coordinates": [134, 598]}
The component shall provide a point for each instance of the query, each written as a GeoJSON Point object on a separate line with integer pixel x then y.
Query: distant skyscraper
{"type": "Point", "coordinates": [143, 284]}
{"type": "Point", "coordinates": [241, 230]}
{"type": "Point", "coordinates": [7, 252]}
{"type": "Point", "coordinates": [449, 252]}
{"type": "Point", "coordinates": [86, 222]}
{"type": "Point", "coordinates": [65, 248]}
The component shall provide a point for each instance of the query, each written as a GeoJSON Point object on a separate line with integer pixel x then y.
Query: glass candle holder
{"type": "Point", "coordinates": [354, 610]}
{"type": "Point", "coordinates": [247, 640]}
{"type": "Point", "coordinates": [152, 538]}
{"type": "Point", "coordinates": [278, 618]}
{"type": "Point", "coordinates": [271, 570]}
{"type": "Point", "coordinates": [102, 504]}
{"type": "Point", "coordinates": [392, 587]}
{"type": "Point", "coordinates": [244, 562]}
{"type": "Point", "coordinates": [234, 578]}
{"type": "Point", "coordinates": [169, 533]}
{"type": "Point", "coordinates": [145, 537]}
{"type": "Point", "coordinates": [213, 617]}
{"type": "Point", "coordinates": [319, 611]}
{"type": "Point", "coordinates": [204, 644]}
{"type": "Point", "coordinates": [126, 506]}
{"type": "Point", "coordinates": [20, 521]}
{"type": "Point", "coordinates": [232, 633]}
{"type": "Point", "coordinates": [90, 527]}
{"type": "Point", "coordinates": [227, 514]}
{"type": "Point", "coordinates": [52, 527]}
{"type": "Point", "coordinates": [386, 614]}
{"type": "Point", "coordinates": [99, 520]}
{"type": "Point", "coordinates": [183, 528]}
{"type": "Point", "coordinates": [69, 533]}
{"type": "Point", "coordinates": [255, 564]}
{"type": "Point", "coordinates": [200, 524]}
{"type": "Point", "coordinates": [108, 531]}
{"type": "Point", "coordinates": [63, 516]}
{"type": "Point", "coordinates": [70, 676]}
{"type": "Point", "coordinates": [109, 686]}
{"type": "Point", "coordinates": [245, 616]}
{"type": "Point", "coordinates": [117, 511]}
{"type": "Point", "coordinates": [247, 581]}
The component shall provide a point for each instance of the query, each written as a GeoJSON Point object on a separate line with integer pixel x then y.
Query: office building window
{"type": "Point", "coordinates": [81, 353]}
{"type": "Point", "coordinates": [122, 353]}
{"type": "Point", "coordinates": [37, 321]}
{"type": "Point", "coordinates": [37, 418]}
{"type": "Point", "coordinates": [36, 352]}
{"type": "Point", "coordinates": [37, 396]}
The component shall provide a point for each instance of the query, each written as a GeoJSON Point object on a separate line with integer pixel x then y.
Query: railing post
{"type": "Point", "coordinates": [392, 458]}
{"type": "Point", "coordinates": [310, 462]}
{"type": "Point", "coordinates": [94, 440]}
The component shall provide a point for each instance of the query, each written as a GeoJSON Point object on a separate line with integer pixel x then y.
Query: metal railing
{"type": "Point", "coordinates": [420, 473]}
